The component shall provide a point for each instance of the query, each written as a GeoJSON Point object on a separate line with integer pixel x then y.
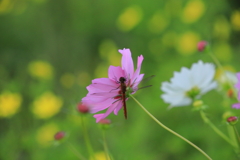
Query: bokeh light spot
{"type": "Point", "coordinates": [222, 28]}
{"type": "Point", "coordinates": [100, 156]}
{"type": "Point", "coordinates": [9, 103]}
{"type": "Point", "coordinates": [223, 51]}
{"type": "Point", "coordinates": [158, 22]}
{"type": "Point", "coordinates": [108, 50]}
{"type": "Point", "coordinates": [83, 79]}
{"type": "Point", "coordinates": [173, 7]}
{"type": "Point", "coordinates": [193, 11]}
{"type": "Point", "coordinates": [187, 43]}
{"type": "Point", "coordinates": [47, 105]}
{"type": "Point", "coordinates": [67, 80]}
{"type": "Point", "coordinates": [129, 18]}
{"type": "Point", "coordinates": [40, 69]}
{"type": "Point", "coordinates": [101, 70]}
{"type": "Point", "coordinates": [235, 20]}
{"type": "Point", "coordinates": [169, 39]}
{"type": "Point", "coordinates": [40, 1]}
{"type": "Point", "coordinates": [5, 6]}
{"type": "Point", "coordinates": [45, 134]}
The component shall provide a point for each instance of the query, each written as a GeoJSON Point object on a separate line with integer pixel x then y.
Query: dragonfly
{"type": "Point", "coordinates": [123, 89]}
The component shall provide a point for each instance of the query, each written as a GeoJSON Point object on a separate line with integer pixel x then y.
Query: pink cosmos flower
{"type": "Point", "coordinates": [237, 105]}
{"type": "Point", "coordinates": [105, 93]}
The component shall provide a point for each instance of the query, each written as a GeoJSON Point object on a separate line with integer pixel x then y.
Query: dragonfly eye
{"type": "Point", "coordinates": [122, 80]}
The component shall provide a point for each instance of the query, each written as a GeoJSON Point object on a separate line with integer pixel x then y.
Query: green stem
{"type": "Point", "coordinates": [236, 133]}
{"type": "Point", "coordinates": [105, 145]}
{"type": "Point", "coordinates": [168, 129]}
{"type": "Point", "coordinates": [73, 149]}
{"type": "Point", "coordinates": [232, 133]}
{"type": "Point", "coordinates": [87, 140]}
{"type": "Point", "coordinates": [206, 120]}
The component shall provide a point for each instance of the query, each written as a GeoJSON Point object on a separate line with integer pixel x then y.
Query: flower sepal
{"type": "Point", "coordinates": [105, 124]}
{"type": "Point", "coordinates": [193, 93]}
{"type": "Point", "coordinates": [199, 105]}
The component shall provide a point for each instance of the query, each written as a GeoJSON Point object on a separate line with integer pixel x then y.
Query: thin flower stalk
{"type": "Point", "coordinates": [171, 131]}
{"type": "Point", "coordinates": [206, 120]}
{"type": "Point", "coordinates": [86, 138]}
{"type": "Point", "coordinates": [105, 146]}
{"type": "Point", "coordinates": [234, 139]}
{"type": "Point", "coordinates": [237, 134]}
{"type": "Point", "coordinates": [76, 152]}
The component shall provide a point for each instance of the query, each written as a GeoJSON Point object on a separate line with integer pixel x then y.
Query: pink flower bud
{"type": "Point", "coordinates": [104, 124]}
{"type": "Point", "coordinates": [59, 135]}
{"type": "Point", "coordinates": [82, 108]}
{"type": "Point", "coordinates": [105, 121]}
{"type": "Point", "coordinates": [232, 120]}
{"type": "Point", "coordinates": [202, 45]}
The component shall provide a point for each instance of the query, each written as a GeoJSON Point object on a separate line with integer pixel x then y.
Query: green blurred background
{"type": "Point", "coordinates": [50, 50]}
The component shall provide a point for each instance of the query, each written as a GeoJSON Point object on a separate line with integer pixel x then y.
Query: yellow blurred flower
{"type": "Point", "coordinates": [100, 70]}
{"type": "Point", "coordinates": [67, 80]}
{"type": "Point", "coordinates": [173, 7]}
{"type": "Point", "coordinates": [83, 79]}
{"type": "Point", "coordinates": [45, 134]}
{"type": "Point", "coordinates": [158, 22]}
{"type": "Point", "coordinates": [193, 11]}
{"type": "Point", "coordinates": [129, 18]}
{"type": "Point", "coordinates": [47, 105]}
{"type": "Point", "coordinates": [9, 103]}
{"type": "Point", "coordinates": [222, 28]}
{"type": "Point", "coordinates": [235, 20]}
{"type": "Point", "coordinates": [5, 6]}
{"type": "Point", "coordinates": [40, 1]}
{"type": "Point", "coordinates": [108, 50]}
{"type": "Point", "coordinates": [40, 69]}
{"type": "Point", "coordinates": [223, 51]}
{"type": "Point", "coordinates": [169, 39]}
{"type": "Point", "coordinates": [187, 43]}
{"type": "Point", "coordinates": [100, 156]}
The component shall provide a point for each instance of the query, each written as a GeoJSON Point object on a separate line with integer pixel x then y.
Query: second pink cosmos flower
{"type": "Point", "coordinates": [105, 93]}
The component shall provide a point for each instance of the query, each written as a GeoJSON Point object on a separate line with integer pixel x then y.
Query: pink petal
{"type": "Point", "coordinates": [97, 100]}
{"type": "Point", "coordinates": [114, 73]}
{"type": "Point", "coordinates": [94, 88]}
{"type": "Point", "coordinates": [106, 81]}
{"type": "Point", "coordinates": [118, 107]}
{"type": "Point", "coordinates": [110, 94]}
{"type": "Point", "coordinates": [127, 62]}
{"type": "Point", "coordinates": [91, 99]}
{"type": "Point", "coordinates": [98, 117]}
{"type": "Point", "coordinates": [109, 110]}
{"type": "Point", "coordinates": [139, 64]}
{"type": "Point", "coordinates": [236, 106]}
{"type": "Point", "coordinates": [137, 81]}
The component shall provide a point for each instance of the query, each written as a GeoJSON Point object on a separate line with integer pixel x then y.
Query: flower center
{"type": "Point", "coordinates": [192, 93]}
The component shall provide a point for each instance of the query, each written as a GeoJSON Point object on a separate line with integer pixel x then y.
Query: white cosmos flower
{"type": "Point", "coordinates": [189, 84]}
